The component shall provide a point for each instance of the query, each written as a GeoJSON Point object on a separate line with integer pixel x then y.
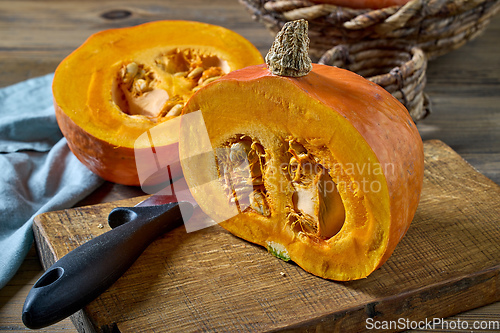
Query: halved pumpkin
{"type": "Point", "coordinates": [324, 168]}
{"type": "Point", "coordinates": [122, 82]}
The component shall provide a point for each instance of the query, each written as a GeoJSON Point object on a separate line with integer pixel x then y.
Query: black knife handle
{"type": "Point", "coordinates": [84, 273]}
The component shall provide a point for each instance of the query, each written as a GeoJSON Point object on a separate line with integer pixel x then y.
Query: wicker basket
{"type": "Point", "coordinates": [398, 67]}
{"type": "Point", "coordinates": [389, 46]}
{"type": "Point", "coordinates": [436, 26]}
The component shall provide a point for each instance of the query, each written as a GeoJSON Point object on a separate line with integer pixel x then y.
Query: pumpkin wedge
{"type": "Point", "coordinates": [334, 163]}
{"type": "Point", "coordinates": [122, 82]}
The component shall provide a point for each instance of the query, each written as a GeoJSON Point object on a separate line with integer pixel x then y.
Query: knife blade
{"type": "Point", "coordinates": [87, 271]}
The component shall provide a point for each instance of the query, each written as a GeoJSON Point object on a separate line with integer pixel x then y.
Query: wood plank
{"type": "Point", "coordinates": [209, 280]}
{"type": "Point", "coordinates": [37, 35]}
{"type": "Point", "coordinates": [463, 86]}
{"type": "Point", "coordinates": [12, 298]}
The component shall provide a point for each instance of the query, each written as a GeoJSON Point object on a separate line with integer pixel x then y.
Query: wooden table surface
{"type": "Point", "coordinates": [464, 87]}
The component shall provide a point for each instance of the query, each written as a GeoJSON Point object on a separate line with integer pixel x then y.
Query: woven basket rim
{"type": "Point", "coordinates": [392, 16]}
{"type": "Point", "coordinates": [405, 80]}
{"type": "Point", "coordinates": [437, 26]}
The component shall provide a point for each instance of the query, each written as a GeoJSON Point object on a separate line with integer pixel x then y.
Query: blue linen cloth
{"type": "Point", "coordinates": [38, 172]}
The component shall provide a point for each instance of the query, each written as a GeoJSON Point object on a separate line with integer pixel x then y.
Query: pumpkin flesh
{"type": "Point", "coordinates": [355, 137]}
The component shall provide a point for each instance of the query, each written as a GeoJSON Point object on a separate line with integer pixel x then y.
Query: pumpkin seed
{"type": "Point", "coordinates": [207, 81]}
{"type": "Point", "coordinates": [140, 86]}
{"type": "Point", "coordinates": [175, 110]}
{"type": "Point", "coordinates": [180, 74]}
{"type": "Point", "coordinates": [132, 69]}
{"type": "Point", "coordinates": [195, 73]}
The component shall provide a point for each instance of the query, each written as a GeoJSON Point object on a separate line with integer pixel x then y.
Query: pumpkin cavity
{"type": "Point", "coordinates": [317, 209]}
{"type": "Point", "coordinates": [161, 89]}
{"type": "Point", "coordinates": [241, 162]}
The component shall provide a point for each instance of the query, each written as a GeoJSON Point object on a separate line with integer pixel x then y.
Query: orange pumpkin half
{"type": "Point", "coordinates": [122, 82]}
{"type": "Point", "coordinates": [325, 169]}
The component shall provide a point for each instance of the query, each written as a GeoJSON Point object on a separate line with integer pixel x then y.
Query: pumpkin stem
{"type": "Point", "coordinates": [289, 54]}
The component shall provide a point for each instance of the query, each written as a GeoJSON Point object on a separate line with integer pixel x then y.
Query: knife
{"type": "Point", "coordinates": [87, 271]}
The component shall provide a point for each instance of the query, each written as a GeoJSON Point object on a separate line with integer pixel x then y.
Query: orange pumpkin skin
{"type": "Point", "coordinates": [363, 4]}
{"type": "Point", "coordinates": [116, 164]}
{"type": "Point", "coordinates": [345, 121]}
{"type": "Point", "coordinates": [98, 131]}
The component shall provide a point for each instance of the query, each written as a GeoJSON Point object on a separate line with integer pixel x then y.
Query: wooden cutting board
{"type": "Point", "coordinates": [209, 280]}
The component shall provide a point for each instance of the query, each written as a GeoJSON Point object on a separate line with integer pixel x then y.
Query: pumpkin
{"type": "Point", "coordinates": [122, 82]}
{"type": "Point", "coordinates": [321, 166]}
{"type": "Point", "coordinates": [363, 4]}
